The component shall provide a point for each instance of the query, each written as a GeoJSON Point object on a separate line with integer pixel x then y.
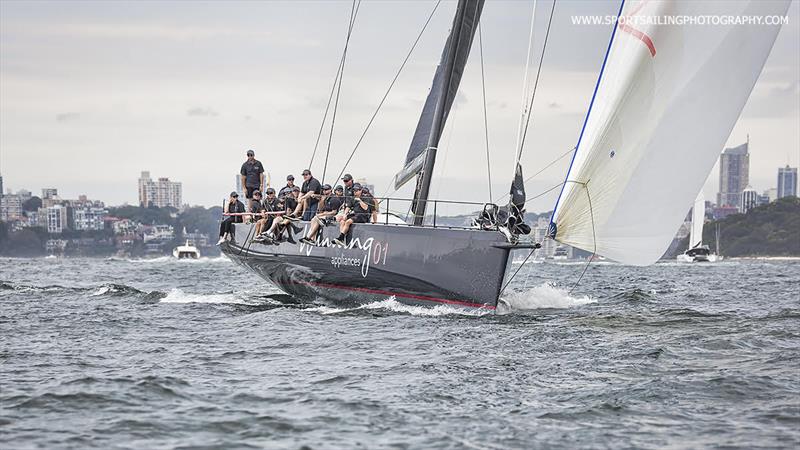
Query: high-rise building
{"type": "Point", "coordinates": [749, 199]}
{"type": "Point", "coordinates": [146, 189]}
{"type": "Point", "coordinates": [734, 175]}
{"type": "Point", "coordinates": [50, 197]}
{"type": "Point", "coordinates": [56, 219]}
{"type": "Point", "coordinates": [87, 218]}
{"type": "Point", "coordinates": [787, 181]}
{"type": "Point", "coordinates": [160, 193]}
{"type": "Point", "coordinates": [11, 208]}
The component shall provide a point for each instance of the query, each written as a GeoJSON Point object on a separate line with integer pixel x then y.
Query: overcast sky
{"type": "Point", "coordinates": [92, 93]}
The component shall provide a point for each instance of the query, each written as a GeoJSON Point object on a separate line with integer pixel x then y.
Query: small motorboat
{"type": "Point", "coordinates": [187, 251]}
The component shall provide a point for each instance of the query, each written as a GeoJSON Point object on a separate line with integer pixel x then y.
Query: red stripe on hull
{"type": "Point", "coordinates": [396, 294]}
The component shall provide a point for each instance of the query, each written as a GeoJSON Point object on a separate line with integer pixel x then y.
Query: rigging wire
{"type": "Point", "coordinates": [389, 89]}
{"type": "Point", "coordinates": [353, 14]}
{"type": "Point", "coordinates": [485, 114]}
{"type": "Point", "coordinates": [525, 84]}
{"type": "Point", "coordinates": [327, 108]}
{"type": "Point", "coordinates": [551, 163]}
{"type": "Point", "coordinates": [535, 84]}
{"type": "Point", "coordinates": [516, 272]}
{"type": "Point", "coordinates": [445, 149]}
{"type": "Point", "coordinates": [594, 239]}
{"type": "Point", "coordinates": [527, 112]}
{"type": "Point", "coordinates": [539, 172]}
{"type": "Point", "coordinates": [545, 192]}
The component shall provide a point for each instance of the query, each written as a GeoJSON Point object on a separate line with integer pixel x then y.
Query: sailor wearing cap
{"type": "Point", "coordinates": [348, 185]}
{"type": "Point", "coordinates": [358, 210]}
{"type": "Point", "coordinates": [270, 204]}
{"type": "Point", "coordinates": [252, 174]}
{"type": "Point", "coordinates": [309, 196]}
{"type": "Point", "coordinates": [226, 228]}
{"type": "Point", "coordinates": [256, 207]}
{"type": "Point", "coordinates": [288, 188]}
{"type": "Point", "coordinates": [329, 206]}
{"type": "Point", "coordinates": [284, 223]}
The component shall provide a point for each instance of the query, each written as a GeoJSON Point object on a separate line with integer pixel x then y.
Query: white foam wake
{"type": "Point", "coordinates": [178, 296]}
{"type": "Point", "coordinates": [391, 304]}
{"type": "Point", "coordinates": [539, 297]}
{"type": "Point", "coordinates": [101, 291]}
{"type": "Point", "coordinates": [172, 260]}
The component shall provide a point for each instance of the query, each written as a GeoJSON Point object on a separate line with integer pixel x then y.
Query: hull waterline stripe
{"type": "Point", "coordinates": [396, 294]}
{"type": "Point", "coordinates": [586, 120]}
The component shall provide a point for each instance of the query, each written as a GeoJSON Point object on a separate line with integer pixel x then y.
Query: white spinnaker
{"type": "Point", "coordinates": [698, 219]}
{"type": "Point", "coordinates": [666, 102]}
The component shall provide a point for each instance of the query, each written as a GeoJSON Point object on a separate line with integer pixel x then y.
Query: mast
{"type": "Point", "coordinates": [446, 81]}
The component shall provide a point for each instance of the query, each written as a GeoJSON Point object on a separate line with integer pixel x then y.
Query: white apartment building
{"type": "Point", "coordinates": [160, 193]}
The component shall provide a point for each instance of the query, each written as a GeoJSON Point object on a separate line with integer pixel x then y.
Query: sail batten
{"type": "Point", "coordinates": [663, 108]}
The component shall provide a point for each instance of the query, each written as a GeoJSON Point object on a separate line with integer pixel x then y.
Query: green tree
{"type": "Point", "coordinates": [32, 204]}
{"type": "Point", "coordinates": [767, 230]}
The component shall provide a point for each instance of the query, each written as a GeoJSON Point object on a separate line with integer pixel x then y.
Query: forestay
{"type": "Point", "coordinates": [666, 101]}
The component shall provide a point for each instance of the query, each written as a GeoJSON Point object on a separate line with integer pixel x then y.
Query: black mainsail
{"type": "Point", "coordinates": [422, 152]}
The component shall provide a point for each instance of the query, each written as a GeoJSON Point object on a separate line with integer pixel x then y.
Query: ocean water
{"type": "Point", "coordinates": [162, 353]}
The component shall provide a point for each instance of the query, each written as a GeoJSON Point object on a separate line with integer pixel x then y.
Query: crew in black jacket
{"type": "Point", "coordinates": [226, 228]}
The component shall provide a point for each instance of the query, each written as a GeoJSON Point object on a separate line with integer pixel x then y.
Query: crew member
{"type": "Point", "coordinates": [288, 188]}
{"type": "Point", "coordinates": [226, 228]}
{"type": "Point", "coordinates": [308, 200]}
{"type": "Point", "coordinates": [330, 205]}
{"type": "Point", "coordinates": [252, 174]}
{"type": "Point", "coordinates": [256, 207]}
{"type": "Point", "coordinates": [348, 186]}
{"type": "Point", "coordinates": [285, 223]}
{"type": "Point", "coordinates": [358, 211]}
{"type": "Point", "coordinates": [271, 204]}
{"type": "Point", "coordinates": [369, 198]}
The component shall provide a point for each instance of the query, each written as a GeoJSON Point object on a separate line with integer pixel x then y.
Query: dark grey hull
{"type": "Point", "coordinates": [414, 265]}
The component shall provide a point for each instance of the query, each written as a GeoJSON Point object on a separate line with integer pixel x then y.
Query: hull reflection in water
{"type": "Point", "coordinates": [416, 265]}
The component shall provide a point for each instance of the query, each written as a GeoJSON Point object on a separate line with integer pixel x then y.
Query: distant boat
{"type": "Point", "coordinates": [187, 251]}
{"type": "Point", "coordinates": [697, 252]}
{"type": "Point", "coordinates": [560, 253]}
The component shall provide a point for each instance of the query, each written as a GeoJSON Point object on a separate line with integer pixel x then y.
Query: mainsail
{"type": "Point", "coordinates": [666, 101]}
{"type": "Point", "coordinates": [698, 220]}
{"type": "Point", "coordinates": [444, 89]}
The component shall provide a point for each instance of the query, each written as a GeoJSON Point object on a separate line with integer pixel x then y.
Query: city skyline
{"type": "Point", "coordinates": [177, 89]}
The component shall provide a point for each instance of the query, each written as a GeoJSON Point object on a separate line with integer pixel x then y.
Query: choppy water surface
{"type": "Point", "coordinates": [164, 353]}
